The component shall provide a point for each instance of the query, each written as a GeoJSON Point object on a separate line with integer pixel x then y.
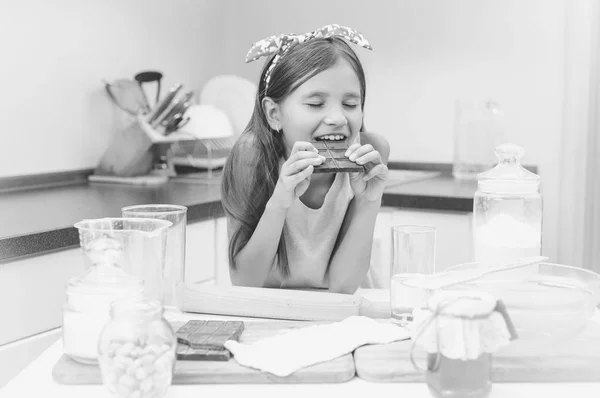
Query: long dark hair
{"type": "Point", "coordinates": [252, 169]}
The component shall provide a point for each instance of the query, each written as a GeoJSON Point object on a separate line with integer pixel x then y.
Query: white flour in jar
{"type": "Point", "coordinates": [503, 239]}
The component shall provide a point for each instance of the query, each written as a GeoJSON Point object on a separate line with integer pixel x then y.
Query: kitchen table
{"type": "Point", "coordinates": [36, 381]}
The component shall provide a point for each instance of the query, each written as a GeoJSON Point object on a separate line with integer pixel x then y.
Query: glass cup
{"type": "Point", "coordinates": [174, 272]}
{"type": "Point", "coordinates": [412, 256]}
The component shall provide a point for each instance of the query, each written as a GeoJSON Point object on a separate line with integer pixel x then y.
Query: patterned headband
{"type": "Point", "coordinates": [280, 44]}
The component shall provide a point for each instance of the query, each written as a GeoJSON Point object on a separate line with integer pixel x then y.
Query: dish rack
{"type": "Point", "coordinates": [203, 153]}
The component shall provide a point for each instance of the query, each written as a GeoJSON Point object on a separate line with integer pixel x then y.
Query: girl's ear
{"type": "Point", "coordinates": [271, 111]}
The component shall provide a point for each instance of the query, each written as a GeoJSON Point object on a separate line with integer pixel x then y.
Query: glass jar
{"type": "Point", "coordinates": [460, 331]}
{"type": "Point", "coordinates": [507, 211]}
{"type": "Point", "coordinates": [88, 298]}
{"type": "Point", "coordinates": [137, 350]}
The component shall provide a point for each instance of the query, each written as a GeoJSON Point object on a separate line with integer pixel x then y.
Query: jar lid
{"type": "Point", "coordinates": [508, 176]}
{"type": "Point", "coordinates": [462, 325]}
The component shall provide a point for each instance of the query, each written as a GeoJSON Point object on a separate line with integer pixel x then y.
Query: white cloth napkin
{"type": "Point", "coordinates": [285, 353]}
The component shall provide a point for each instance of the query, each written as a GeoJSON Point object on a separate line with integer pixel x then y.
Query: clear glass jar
{"type": "Point", "coordinates": [460, 331]}
{"type": "Point", "coordinates": [88, 298]}
{"type": "Point", "coordinates": [137, 350]}
{"type": "Point", "coordinates": [507, 211]}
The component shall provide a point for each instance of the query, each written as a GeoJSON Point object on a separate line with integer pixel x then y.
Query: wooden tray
{"type": "Point", "coordinates": [576, 361]}
{"type": "Point", "coordinates": [341, 369]}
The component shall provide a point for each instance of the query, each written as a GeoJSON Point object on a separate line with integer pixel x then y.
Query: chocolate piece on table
{"type": "Point", "coordinates": [336, 161]}
{"type": "Point", "coordinates": [186, 353]}
{"type": "Point", "coordinates": [187, 329]}
{"type": "Point", "coordinates": [209, 335]}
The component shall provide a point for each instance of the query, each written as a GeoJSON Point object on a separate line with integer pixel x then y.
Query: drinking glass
{"type": "Point", "coordinates": [412, 256]}
{"type": "Point", "coordinates": [173, 277]}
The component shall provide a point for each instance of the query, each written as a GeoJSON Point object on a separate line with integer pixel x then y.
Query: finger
{"type": "Point", "coordinates": [303, 146]}
{"type": "Point", "coordinates": [361, 151]}
{"type": "Point", "coordinates": [304, 174]}
{"type": "Point", "coordinates": [370, 157]}
{"type": "Point", "coordinates": [351, 149]}
{"type": "Point", "coordinates": [379, 170]}
{"type": "Point", "coordinates": [300, 165]}
{"type": "Point", "coordinates": [302, 155]}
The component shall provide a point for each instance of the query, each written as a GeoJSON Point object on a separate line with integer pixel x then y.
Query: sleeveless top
{"type": "Point", "coordinates": [310, 236]}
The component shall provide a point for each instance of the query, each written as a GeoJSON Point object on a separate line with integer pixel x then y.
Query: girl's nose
{"type": "Point", "coordinates": [336, 118]}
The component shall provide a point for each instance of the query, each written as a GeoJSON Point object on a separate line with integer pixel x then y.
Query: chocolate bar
{"type": "Point", "coordinates": [335, 160]}
{"type": "Point", "coordinates": [186, 353]}
{"type": "Point", "coordinates": [204, 340]}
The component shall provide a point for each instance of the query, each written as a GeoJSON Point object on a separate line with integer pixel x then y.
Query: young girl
{"type": "Point", "coordinates": [288, 227]}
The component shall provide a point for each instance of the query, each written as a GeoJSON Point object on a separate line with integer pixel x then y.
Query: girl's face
{"type": "Point", "coordinates": [328, 104]}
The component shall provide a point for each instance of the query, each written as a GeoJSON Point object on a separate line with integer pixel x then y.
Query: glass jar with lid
{"type": "Point", "coordinates": [137, 350]}
{"type": "Point", "coordinates": [88, 299]}
{"type": "Point", "coordinates": [460, 331]}
{"type": "Point", "coordinates": [507, 210]}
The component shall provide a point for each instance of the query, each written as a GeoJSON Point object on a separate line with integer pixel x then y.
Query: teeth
{"type": "Point", "coordinates": [333, 137]}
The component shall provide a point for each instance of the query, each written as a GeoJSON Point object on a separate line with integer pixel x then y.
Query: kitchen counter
{"type": "Point", "coordinates": [36, 380]}
{"type": "Point", "coordinates": [40, 220]}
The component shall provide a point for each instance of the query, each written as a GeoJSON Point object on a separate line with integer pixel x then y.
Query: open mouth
{"type": "Point", "coordinates": [331, 137]}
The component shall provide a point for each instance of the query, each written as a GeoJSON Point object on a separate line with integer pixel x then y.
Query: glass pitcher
{"type": "Point", "coordinates": [478, 127]}
{"type": "Point", "coordinates": [143, 243]}
{"type": "Point", "coordinates": [507, 210]}
{"type": "Point", "coordinates": [89, 296]}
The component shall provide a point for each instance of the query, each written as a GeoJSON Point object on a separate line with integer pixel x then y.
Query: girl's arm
{"type": "Point", "coordinates": [255, 259]}
{"type": "Point", "coordinates": [352, 254]}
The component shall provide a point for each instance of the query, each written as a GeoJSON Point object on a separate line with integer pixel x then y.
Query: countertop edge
{"type": "Point", "coordinates": [46, 242]}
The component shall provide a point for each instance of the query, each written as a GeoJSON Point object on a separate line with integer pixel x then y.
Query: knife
{"type": "Point", "coordinates": [164, 104]}
{"type": "Point", "coordinates": [179, 106]}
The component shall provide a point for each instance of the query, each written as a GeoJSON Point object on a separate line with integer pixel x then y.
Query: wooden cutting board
{"type": "Point", "coordinates": [68, 371]}
{"type": "Point", "coordinates": [576, 361]}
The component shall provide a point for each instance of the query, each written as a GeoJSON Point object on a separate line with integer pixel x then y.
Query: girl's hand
{"type": "Point", "coordinates": [369, 184]}
{"type": "Point", "coordinates": [294, 176]}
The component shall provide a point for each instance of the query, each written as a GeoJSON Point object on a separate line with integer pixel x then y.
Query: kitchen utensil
{"type": "Point", "coordinates": [177, 122]}
{"type": "Point", "coordinates": [340, 369]}
{"type": "Point", "coordinates": [269, 303]}
{"type": "Point", "coordinates": [179, 106]}
{"type": "Point", "coordinates": [149, 77]}
{"type": "Point", "coordinates": [164, 104]}
{"type": "Point", "coordinates": [128, 96]}
{"type": "Point", "coordinates": [576, 360]}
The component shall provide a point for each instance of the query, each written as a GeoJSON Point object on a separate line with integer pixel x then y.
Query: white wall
{"type": "Point", "coordinates": [54, 113]}
{"type": "Point", "coordinates": [426, 54]}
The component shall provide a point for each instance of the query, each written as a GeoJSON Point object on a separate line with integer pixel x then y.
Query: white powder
{"type": "Point", "coordinates": [504, 238]}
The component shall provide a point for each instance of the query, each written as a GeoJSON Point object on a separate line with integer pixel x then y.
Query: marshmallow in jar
{"type": "Point", "coordinates": [137, 350]}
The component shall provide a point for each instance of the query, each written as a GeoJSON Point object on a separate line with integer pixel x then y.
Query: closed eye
{"type": "Point", "coordinates": [351, 106]}
{"type": "Point", "coordinates": [315, 105]}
